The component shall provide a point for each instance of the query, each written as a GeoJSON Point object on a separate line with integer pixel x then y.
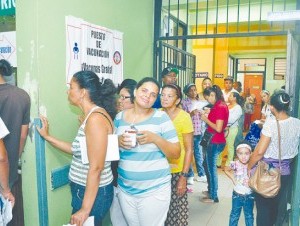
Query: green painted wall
{"type": "Point", "coordinates": [41, 44]}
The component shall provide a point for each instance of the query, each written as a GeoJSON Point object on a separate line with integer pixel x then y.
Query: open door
{"type": "Point", "coordinates": [253, 85]}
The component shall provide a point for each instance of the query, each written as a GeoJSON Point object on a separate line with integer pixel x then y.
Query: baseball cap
{"type": "Point", "coordinates": [228, 78]}
{"type": "Point", "coordinates": [187, 87]}
{"type": "Point", "coordinates": [168, 70]}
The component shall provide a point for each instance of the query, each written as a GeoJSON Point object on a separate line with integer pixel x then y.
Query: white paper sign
{"type": "Point", "coordinates": [112, 152]}
{"type": "Point", "coordinates": [94, 48]}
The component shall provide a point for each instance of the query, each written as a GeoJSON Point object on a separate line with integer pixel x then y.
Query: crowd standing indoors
{"type": "Point", "coordinates": [272, 211]}
{"type": "Point", "coordinates": [178, 210]}
{"type": "Point", "coordinates": [91, 178]}
{"type": "Point", "coordinates": [147, 138]}
{"type": "Point", "coordinates": [148, 185]}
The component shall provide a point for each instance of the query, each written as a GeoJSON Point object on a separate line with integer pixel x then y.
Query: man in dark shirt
{"type": "Point", "coordinates": [15, 112]}
{"type": "Point", "coordinates": [169, 76]}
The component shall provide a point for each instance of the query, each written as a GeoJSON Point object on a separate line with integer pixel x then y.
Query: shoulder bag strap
{"type": "Point", "coordinates": [106, 118]}
{"type": "Point", "coordinates": [279, 144]}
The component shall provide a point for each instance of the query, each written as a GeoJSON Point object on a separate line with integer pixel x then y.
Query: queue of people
{"type": "Point", "coordinates": [158, 135]}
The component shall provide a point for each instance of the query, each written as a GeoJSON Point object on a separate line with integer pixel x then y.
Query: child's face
{"type": "Point", "coordinates": [243, 155]}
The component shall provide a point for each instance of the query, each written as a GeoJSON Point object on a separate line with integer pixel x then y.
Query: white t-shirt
{"type": "Point", "coordinates": [234, 114]}
{"type": "Point", "coordinates": [3, 130]}
{"type": "Point", "coordinates": [289, 133]}
{"type": "Point", "coordinates": [267, 111]}
{"type": "Point", "coordinates": [226, 95]}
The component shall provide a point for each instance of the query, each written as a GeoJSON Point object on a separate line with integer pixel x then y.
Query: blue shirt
{"type": "Point", "coordinates": [145, 168]}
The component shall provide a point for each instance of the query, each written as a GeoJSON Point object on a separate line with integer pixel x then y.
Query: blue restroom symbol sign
{"type": "Point", "coordinates": [75, 51]}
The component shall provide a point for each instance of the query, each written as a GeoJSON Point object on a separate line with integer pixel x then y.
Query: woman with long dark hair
{"type": "Point", "coordinates": [216, 121]}
{"type": "Point", "coordinates": [91, 178]}
{"type": "Point", "coordinates": [272, 211]}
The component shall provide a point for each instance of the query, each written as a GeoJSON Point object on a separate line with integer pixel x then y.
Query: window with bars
{"type": "Point", "coordinates": [279, 68]}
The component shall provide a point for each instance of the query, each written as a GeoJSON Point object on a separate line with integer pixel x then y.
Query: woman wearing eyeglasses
{"type": "Point", "coordinates": [125, 101]}
{"type": "Point", "coordinates": [125, 94]}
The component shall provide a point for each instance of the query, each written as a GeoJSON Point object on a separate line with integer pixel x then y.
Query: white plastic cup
{"type": "Point", "coordinates": [132, 135]}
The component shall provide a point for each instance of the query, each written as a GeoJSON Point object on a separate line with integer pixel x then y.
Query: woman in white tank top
{"type": "Point", "coordinates": [90, 176]}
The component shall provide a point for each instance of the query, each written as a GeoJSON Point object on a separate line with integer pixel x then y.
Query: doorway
{"type": "Point", "coordinates": [253, 85]}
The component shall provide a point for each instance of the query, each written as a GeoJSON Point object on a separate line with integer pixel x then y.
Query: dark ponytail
{"type": "Point", "coordinates": [101, 91]}
{"type": "Point", "coordinates": [239, 99]}
{"type": "Point", "coordinates": [280, 100]}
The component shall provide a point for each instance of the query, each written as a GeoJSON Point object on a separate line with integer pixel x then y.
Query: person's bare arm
{"type": "Point", "coordinates": [4, 172]}
{"type": "Point", "coordinates": [96, 131]}
{"type": "Point", "coordinates": [259, 151]}
{"type": "Point", "coordinates": [229, 173]}
{"type": "Point", "coordinates": [171, 150]}
{"type": "Point", "coordinates": [24, 133]}
{"type": "Point", "coordinates": [218, 126]}
{"type": "Point", "coordinates": [188, 146]}
{"type": "Point", "coordinates": [44, 132]}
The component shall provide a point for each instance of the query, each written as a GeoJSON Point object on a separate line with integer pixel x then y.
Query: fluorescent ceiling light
{"type": "Point", "coordinates": [284, 15]}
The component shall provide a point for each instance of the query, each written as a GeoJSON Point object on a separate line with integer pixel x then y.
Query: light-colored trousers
{"type": "Point", "coordinates": [150, 210]}
{"type": "Point", "coordinates": [116, 215]}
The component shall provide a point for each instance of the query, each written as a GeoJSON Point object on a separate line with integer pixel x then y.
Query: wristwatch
{"type": "Point", "coordinates": [184, 174]}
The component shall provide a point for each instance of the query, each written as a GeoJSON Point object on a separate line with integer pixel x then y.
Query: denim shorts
{"type": "Point", "coordinates": [102, 201]}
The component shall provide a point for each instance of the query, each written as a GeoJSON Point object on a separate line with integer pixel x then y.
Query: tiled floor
{"type": "Point", "coordinates": [203, 214]}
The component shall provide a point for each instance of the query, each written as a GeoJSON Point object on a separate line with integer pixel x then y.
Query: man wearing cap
{"type": "Point", "coordinates": [191, 105]}
{"type": "Point", "coordinates": [228, 88]}
{"type": "Point", "coordinates": [169, 76]}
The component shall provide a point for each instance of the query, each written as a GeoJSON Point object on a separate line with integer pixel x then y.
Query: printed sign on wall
{"type": "Point", "coordinates": [95, 48]}
{"type": "Point", "coordinates": [8, 47]}
{"type": "Point", "coordinates": [201, 74]}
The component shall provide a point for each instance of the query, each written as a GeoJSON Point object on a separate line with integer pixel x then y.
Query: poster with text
{"type": "Point", "coordinates": [95, 48]}
{"type": "Point", "coordinates": [8, 47]}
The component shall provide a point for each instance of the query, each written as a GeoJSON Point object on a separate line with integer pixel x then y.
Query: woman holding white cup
{"type": "Point", "coordinates": [144, 174]}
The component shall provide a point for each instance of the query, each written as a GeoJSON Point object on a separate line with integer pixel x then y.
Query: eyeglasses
{"type": "Point", "coordinates": [123, 97]}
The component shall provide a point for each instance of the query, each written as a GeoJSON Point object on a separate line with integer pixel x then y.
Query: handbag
{"type": "Point", "coordinates": [266, 179]}
{"type": "Point", "coordinates": [206, 139]}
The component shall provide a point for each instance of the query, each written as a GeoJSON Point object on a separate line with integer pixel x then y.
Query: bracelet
{"type": "Point", "coordinates": [184, 174]}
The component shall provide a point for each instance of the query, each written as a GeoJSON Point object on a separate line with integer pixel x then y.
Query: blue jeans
{"type": "Point", "coordinates": [102, 201]}
{"type": "Point", "coordinates": [213, 150]}
{"type": "Point", "coordinates": [198, 155]}
{"type": "Point", "coordinates": [238, 202]}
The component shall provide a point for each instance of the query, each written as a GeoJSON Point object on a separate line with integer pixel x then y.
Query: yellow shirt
{"type": "Point", "coordinates": [183, 124]}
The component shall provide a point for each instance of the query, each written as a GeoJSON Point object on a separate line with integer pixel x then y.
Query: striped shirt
{"type": "Point", "coordinates": [78, 171]}
{"type": "Point", "coordinates": [145, 168]}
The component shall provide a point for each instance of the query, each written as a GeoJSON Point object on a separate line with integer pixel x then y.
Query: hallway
{"type": "Point", "coordinates": [203, 214]}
